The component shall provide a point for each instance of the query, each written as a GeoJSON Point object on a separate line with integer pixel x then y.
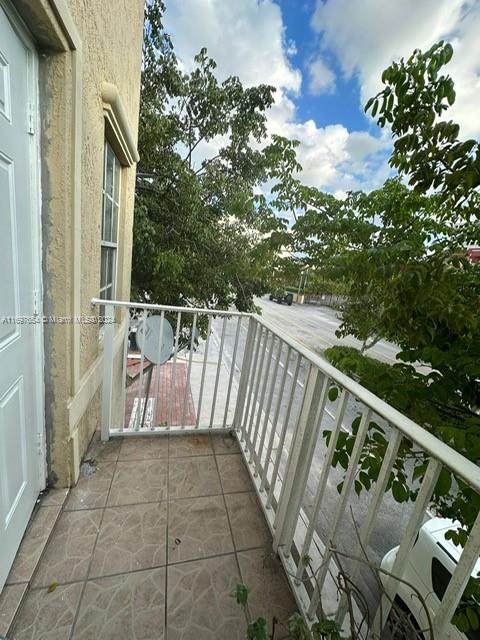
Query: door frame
{"type": "Point", "coordinates": [36, 237]}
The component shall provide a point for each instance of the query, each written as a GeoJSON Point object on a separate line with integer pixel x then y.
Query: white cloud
{"type": "Point", "coordinates": [334, 158]}
{"type": "Point", "coordinates": [247, 38]}
{"type": "Point", "coordinates": [377, 32]}
{"type": "Point", "coordinates": [321, 78]}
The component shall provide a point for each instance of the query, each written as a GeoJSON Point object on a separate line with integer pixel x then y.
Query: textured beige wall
{"type": "Point", "coordinates": [111, 53]}
{"type": "Point", "coordinates": [95, 41]}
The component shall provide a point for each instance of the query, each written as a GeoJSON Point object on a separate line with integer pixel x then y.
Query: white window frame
{"type": "Point", "coordinates": [109, 241]}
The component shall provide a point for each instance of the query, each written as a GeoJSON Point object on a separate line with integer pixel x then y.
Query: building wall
{"type": "Point", "coordinates": [82, 45]}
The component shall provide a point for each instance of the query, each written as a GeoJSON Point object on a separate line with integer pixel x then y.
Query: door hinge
{"type": "Point", "coordinates": [35, 302]}
{"type": "Point", "coordinates": [31, 119]}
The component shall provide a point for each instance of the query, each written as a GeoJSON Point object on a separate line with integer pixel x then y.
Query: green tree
{"type": "Point", "coordinates": [427, 288]}
{"type": "Point", "coordinates": [433, 306]}
{"type": "Point", "coordinates": [202, 233]}
{"type": "Point", "coordinates": [402, 253]}
{"type": "Point", "coordinates": [360, 242]}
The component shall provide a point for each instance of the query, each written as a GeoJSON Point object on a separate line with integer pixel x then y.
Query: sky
{"type": "Point", "coordinates": [325, 58]}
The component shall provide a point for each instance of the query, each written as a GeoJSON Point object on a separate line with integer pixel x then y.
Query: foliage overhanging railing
{"type": "Point", "coordinates": [276, 395]}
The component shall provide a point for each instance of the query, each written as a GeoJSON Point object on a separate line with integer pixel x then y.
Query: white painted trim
{"type": "Point", "coordinates": [37, 233]}
{"type": "Point", "coordinates": [67, 26]}
{"type": "Point", "coordinates": [90, 383]}
{"type": "Point", "coordinates": [36, 222]}
{"type": "Point", "coordinates": [118, 131]}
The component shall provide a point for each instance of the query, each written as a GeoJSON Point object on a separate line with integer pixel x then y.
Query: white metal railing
{"type": "Point", "coordinates": [273, 393]}
{"type": "Point", "coordinates": [195, 388]}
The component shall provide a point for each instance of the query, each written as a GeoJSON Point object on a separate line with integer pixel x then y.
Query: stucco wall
{"type": "Point", "coordinates": [82, 44]}
{"type": "Point", "coordinates": [112, 53]}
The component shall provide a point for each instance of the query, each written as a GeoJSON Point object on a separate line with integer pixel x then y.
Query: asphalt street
{"type": "Point", "coordinates": [315, 326]}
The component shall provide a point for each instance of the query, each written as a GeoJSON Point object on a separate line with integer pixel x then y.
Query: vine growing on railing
{"type": "Point", "coordinates": [355, 627]}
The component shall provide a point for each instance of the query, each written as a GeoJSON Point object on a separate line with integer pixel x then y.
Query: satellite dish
{"type": "Point", "coordinates": [155, 347]}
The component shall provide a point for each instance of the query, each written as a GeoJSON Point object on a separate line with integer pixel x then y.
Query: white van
{"type": "Point", "coordinates": [429, 568]}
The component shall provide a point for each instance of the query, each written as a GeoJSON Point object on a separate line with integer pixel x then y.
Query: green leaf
{"type": "Point", "coordinates": [341, 439]}
{"type": "Point", "coordinates": [400, 491]}
{"type": "Point", "coordinates": [379, 439]}
{"type": "Point", "coordinates": [297, 627]}
{"type": "Point", "coordinates": [333, 394]}
{"type": "Point", "coordinates": [365, 479]}
{"type": "Point", "coordinates": [257, 630]}
{"type": "Point", "coordinates": [377, 427]}
{"type": "Point", "coordinates": [306, 560]}
{"type": "Point", "coordinates": [473, 619]}
{"type": "Point", "coordinates": [240, 594]}
{"type": "Point", "coordinates": [343, 459]}
{"type": "Point", "coordinates": [419, 470]}
{"type": "Point", "coordinates": [350, 443]}
{"type": "Point", "coordinates": [355, 425]}
{"type": "Point", "coordinates": [461, 622]}
{"type": "Point", "coordinates": [448, 52]}
{"type": "Point", "coordinates": [444, 483]}
{"type": "Point", "coordinates": [369, 104]}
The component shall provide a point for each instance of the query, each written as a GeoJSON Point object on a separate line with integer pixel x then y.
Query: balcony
{"type": "Point", "coordinates": [153, 538]}
{"type": "Point", "coordinates": [211, 469]}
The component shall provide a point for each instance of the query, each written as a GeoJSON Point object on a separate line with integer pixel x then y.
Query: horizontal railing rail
{"type": "Point", "coordinates": [97, 302]}
{"type": "Point", "coordinates": [246, 375]}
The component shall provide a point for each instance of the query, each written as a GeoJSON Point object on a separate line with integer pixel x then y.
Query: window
{"type": "Point", "coordinates": [110, 213]}
{"type": "Point", "coordinates": [440, 578]}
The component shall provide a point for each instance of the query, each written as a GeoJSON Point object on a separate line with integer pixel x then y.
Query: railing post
{"type": "Point", "coordinates": [302, 454]}
{"type": "Point", "coordinates": [369, 521]}
{"type": "Point", "coordinates": [108, 332]}
{"type": "Point", "coordinates": [281, 437]}
{"type": "Point", "coordinates": [457, 584]}
{"type": "Point", "coordinates": [244, 374]}
{"type": "Point", "coordinates": [414, 523]}
{"type": "Point", "coordinates": [321, 573]}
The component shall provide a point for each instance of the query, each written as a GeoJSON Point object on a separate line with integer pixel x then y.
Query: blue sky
{"type": "Point", "coordinates": [341, 105]}
{"type": "Point", "coordinates": [325, 58]}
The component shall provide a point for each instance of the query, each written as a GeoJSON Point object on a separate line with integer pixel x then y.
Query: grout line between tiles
{"type": "Point", "coordinates": [107, 576]}
{"type": "Point", "coordinates": [165, 613]}
{"type": "Point", "coordinates": [75, 618]}
{"type": "Point", "coordinates": [29, 582]}
{"type": "Point", "coordinates": [152, 568]}
{"type": "Point", "coordinates": [231, 531]}
{"type": "Point", "coordinates": [216, 555]}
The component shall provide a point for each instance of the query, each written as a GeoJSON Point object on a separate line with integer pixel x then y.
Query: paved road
{"type": "Point", "coordinates": [315, 327]}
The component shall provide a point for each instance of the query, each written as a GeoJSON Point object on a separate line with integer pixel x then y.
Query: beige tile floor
{"type": "Point", "coordinates": [151, 544]}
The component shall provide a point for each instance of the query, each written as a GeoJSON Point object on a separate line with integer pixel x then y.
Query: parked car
{"type": "Point", "coordinates": [429, 568]}
{"type": "Point", "coordinates": [280, 295]}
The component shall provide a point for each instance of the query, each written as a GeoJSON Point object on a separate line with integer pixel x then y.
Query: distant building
{"type": "Point", "coordinates": [474, 254]}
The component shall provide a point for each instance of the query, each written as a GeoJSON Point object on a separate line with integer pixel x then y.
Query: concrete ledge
{"type": "Point", "coordinates": [118, 129]}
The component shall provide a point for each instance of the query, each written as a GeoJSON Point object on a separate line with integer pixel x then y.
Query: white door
{"type": "Point", "coordinates": [21, 421]}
